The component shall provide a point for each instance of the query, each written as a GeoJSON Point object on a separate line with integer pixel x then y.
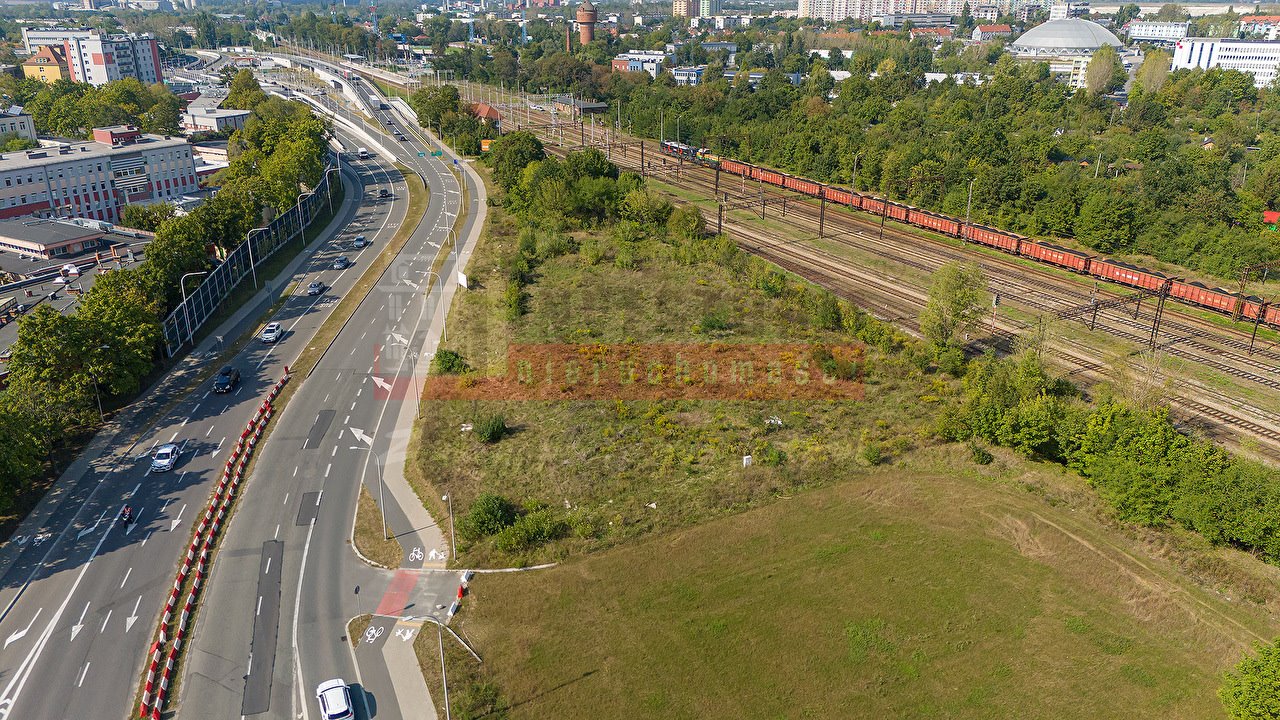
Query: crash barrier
{"type": "Point", "coordinates": [173, 629]}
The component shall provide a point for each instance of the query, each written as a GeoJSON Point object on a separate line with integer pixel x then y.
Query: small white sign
{"type": "Point", "coordinates": [462, 279]}
{"type": "Point", "coordinates": [746, 461]}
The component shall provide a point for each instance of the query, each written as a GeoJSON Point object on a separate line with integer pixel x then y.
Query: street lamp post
{"type": "Point", "coordinates": [186, 313]}
{"type": "Point", "coordinates": [967, 207]}
{"type": "Point", "coordinates": [444, 677]}
{"type": "Point", "coordinates": [453, 545]}
{"type": "Point", "coordinates": [252, 267]}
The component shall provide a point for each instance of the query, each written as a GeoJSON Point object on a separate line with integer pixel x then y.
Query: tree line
{"type": "Point", "coordinates": [1180, 171]}
{"type": "Point", "coordinates": [62, 366]}
{"type": "Point", "coordinates": [71, 110]}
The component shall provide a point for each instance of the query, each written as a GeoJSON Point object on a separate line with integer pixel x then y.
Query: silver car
{"type": "Point", "coordinates": [165, 457]}
{"type": "Point", "coordinates": [271, 332]}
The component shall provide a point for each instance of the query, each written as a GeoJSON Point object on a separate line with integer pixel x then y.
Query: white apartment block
{"type": "Point", "coordinates": [1147, 31]}
{"type": "Point", "coordinates": [100, 59]}
{"type": "Point", "coordinates": [96, 179]}
{"type": "Point", "coordinates": [15, 122]}
{"type": "Point", "coordinates": [35, 38]}
{"type": "Point", "coordinates": [864, 10]}
{"type": "Point", "coordinates": [1267, 26]}
{"type": "Point", "coordinates": [1261, 58]}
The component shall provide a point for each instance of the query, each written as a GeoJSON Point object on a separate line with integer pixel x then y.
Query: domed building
{"type": "Point", "coordinates": [1068, 37]}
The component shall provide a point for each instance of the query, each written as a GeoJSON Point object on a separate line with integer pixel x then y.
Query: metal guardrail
{"type": "Point", "coordinates": [204, 300]}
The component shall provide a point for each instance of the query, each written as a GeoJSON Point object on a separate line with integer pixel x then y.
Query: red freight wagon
{"type": "Point", "coordinates": [994, 238]}
{"type": "Point", "coordinates": [898, 212]}
{"type": "Point", "coordinates": [1126, 274]}
{"type": "Point", "coordinates": [843, 197]}
{"type": "Point", "coordinates": [1197, 294]}
{"type": "Point", "coordinates": [808, 187]}
{"type": "Point", "coordinates": [872, 204]}
{"type": "Point", "coordinates": [921, 218]}
{"type": "Point", "coordinates": [1054, 255]}
{"type": "Point", "coordinates": [735, 167]}
{"type": "Point", "coordinates": [1250, 308]}
{"type": "Point", "coordinates": [1272, 317]}
{"type": "Point", "coordinates": [769, 176]}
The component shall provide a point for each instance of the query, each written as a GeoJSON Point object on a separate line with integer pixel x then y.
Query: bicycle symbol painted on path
{"type": "Point", "coordinates": [372, 633]}
{"type": "Point", "coordinates": [416, 555]}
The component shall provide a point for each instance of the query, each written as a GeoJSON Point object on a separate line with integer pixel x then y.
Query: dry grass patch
{"type": "Point", "coordinates": [368, 534]}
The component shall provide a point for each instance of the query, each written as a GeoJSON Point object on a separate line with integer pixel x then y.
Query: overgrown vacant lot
{"type": "Point", "coordinates": [898, 594]}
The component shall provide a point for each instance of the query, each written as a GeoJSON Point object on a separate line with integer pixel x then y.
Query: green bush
{"type": "Point", "coordinates": [514, 300]}
{"type": "Point", "coordinates": [531, 530]}
{"type": "Point", "coordinates": [489, 515]}
{"type": "Point", "coordinates": [490, 428]}
{"type": "Point", "coordinates": [980, 454]}
{"type": "Point", "coordinates": [832, 366]}
{"type": "Point", "coordinates": [554, 245]}
{"type": "Point", "coordinates": [871, 453]}
{"type": "Point", "coordinates": [448, 362]}
{"type": "Point", "coordinates": [590, 252]}
{"type": "Point", "coordinates": [769, 455]}
{"type": "Point", "coordinates": [625, 258]}
{"type": "Point", "coordinates": [1248, 690]}
{"type": "Point", "coordinates": [713, 322]}
{"type": "Point", "coordinates": [824, 311]}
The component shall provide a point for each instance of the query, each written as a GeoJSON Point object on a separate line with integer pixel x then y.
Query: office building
{"type": "Point", "coordinates": [100, 59]}
{"type": "Point", "coordinates": [1156, 32]}
{"type": "Point", "coordinates": [96, 179]}
{"type": "Point", "coordinates": [1260, 58]}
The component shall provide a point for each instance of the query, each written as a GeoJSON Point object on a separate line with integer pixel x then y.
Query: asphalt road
{"type": "Point", "coordinates": [82, 593]}
{"type": "Point", "coordinates": [333, 436]}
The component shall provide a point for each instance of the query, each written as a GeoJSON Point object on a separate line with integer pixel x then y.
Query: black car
{"type": "Point", "coordinates": [228, 377]}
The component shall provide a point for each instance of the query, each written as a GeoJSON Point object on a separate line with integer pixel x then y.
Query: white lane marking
{"type": "Point", "coordinates": [318, 498]}
{"type": "Point", "coordinates": [277, 535]}
{"type": "Point", "coordinates": [166, 503]}
{"type": "Point", "coordinates": [295, 471]}
{"type": "Point", "coordinates": [326, 398]}
{"type": "Point", "coordinates": [148, 537]}
{"type": "Point", "coordinates": [126, 576]}
{"type": "Point", "coordinates": [134, 491]}
{"type": "Point", "coordinates": [327, 468]}
{"type": "Point", "coordinates": [133, 617]}
{"type": "Point", "coordinates": [353, 404]}
{"type": "Point", "coordinates": [210, 430]}
{"type": "Point", "coordinates": [335, 450]}
{"type": "Point", "coordinates": [267, 571]}
{"type": "Point", "coordinates": [205, 396]}
{"type": "Point", "coordinates": [21, 633]}
{"type": "Point", "coordinates": [297, 603]}
{"type": "Point", "coordinates": [346, 420]}
{"type": "Point", "coordinates": [174, 436]}
{"type": "Point", "coordinates": [286, 499]}
{"type": "Point", "coordinates": [259, 610]}
{"type": "Point", "coordinates": [174, 523]}
{"type": "Point", "coordinates": [184, 421]}
{"type": "Point", "coordinates": [75, 629]}
{"type": "Point", "coordinates": [358, 391]}
{"type": "Point", "coordinates": [86, 672]}
{"type": "Point", "coordinates": [104, 623]}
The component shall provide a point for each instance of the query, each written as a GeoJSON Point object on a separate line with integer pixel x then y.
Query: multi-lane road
{"type": "Point", "coordinates": [80, 593]}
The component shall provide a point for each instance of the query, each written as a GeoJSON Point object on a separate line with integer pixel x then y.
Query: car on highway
{"type": "Point", "coordinates": [358, 242]}
{"type": "Point", "coordinates": [335, 700]}
{"type": "Point", "coordinates": [401, 137]}
{"type": "Point", "coordinates": [228, 377]}
{"type": "Point", "coordinates": [383, 192]}
{"type": "Point", "coordinates": [271, 332]}
{"type": "Point", "coordinates": [315, 288]}
{"type": "Point", "coordinates": [165, 457]}
{"type": "Point", "coordinates": [389, 123]}
{"type": "Point", "coordinates": [342, 263]}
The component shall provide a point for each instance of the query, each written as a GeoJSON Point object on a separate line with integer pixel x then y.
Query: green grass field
{"type": "Point", "coordinates": [900, 594]}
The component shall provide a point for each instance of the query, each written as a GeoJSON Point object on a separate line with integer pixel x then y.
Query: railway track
{"type": "Point", "coordinates": [1183, 336]}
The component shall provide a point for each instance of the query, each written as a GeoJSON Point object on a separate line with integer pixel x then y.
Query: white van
{"type": "Point", "coordinates": [362, 153]}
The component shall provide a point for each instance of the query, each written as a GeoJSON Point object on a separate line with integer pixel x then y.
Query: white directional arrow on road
{"type": "Point", "coordinates": [22, 633]}
{"type": "Point", "coordinates": [409, 282]}
{"type": "Point", "coordinates": [360, 433]}
{"type": "Point", "coordinates": [382, 384]}
{"type": "Point", "coordinates": [75, 629]}
{"type": "Point", "coordinates": [174, 523]}
{"type": "Point", "coordinates": [129, 621]}
{"type": "Point", "coordinates": [400, 339]}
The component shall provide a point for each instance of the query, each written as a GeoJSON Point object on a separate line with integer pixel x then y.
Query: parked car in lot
{"type": "Point", "coordinates": [342, 263]}
{"type": "Point", "coordinates": [315, 288]}
{"type": "Point", "coordinates": [335, 700]}
{"type": "Point", "coordinates": [166, 456]}
{"type": "Point", "coordinates": [228, 377]}
{"type": "Point", "coordinates": [272, 332]}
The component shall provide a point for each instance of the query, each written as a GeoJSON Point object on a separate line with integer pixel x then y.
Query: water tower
{"type": "Point", "coordinates": [586, 18]}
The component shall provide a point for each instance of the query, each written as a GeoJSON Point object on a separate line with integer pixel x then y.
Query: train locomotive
{"type": "Point", "coordinates": [1190, 292]}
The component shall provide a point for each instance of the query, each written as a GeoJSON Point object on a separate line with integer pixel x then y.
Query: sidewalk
{"type": "Point", "coordinates": [115, 441]}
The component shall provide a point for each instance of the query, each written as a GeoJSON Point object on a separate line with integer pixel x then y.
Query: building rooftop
{"type": "Point", "coordinates": [49, 232]}
{"type": "Point", "coordinates": [80, 151]}
{"type": "Point", "coordinates": [1068, 36]}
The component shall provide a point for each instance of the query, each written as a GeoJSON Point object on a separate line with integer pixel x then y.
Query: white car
{"type": "Point", "coordinates": [271, 332]}
{"type": "Point", "coordinates": [165, 458]}
{"type": "Point", "coordinates": [335, 700]}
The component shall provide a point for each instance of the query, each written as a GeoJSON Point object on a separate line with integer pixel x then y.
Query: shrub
{"type": "Point", "coordinates": [716, 321]}
{"type": "Point", "coordinates": [530, 531]}
{"type": "Point", "coordinates": [590, 252]}
{"type": "Point", "coordinates": [490, 514]}
{"type": "Point", "coordinates": [513, 297]}
{"type": "Point", "coordinates": [951, 360]}
{"type": "Point", "coordinates": [625, 259]}
{"type": "Point", "coordinates": [448, 362]}
{"type": "Point", "coordinates": [490, 428]}
{"type": "Point", "coordinates": [770, 455]}
{"type": "Point", "coordinates": [832, 366]}
{"type": "Point", "coordinates": [824, 311]}
{"type": "Point", "coordinates": [554, 245]}
{"type": "Point", "coordinates": [1248, 690]}
{"type": "Point", "coordinates": [980, 454]}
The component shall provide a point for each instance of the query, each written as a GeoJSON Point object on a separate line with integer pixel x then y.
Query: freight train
{"type": "Point", "coordinates": [1190, 292]}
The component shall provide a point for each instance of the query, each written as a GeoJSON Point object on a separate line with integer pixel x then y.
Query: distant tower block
{"type": "Point", "coordinates": [586, 18]}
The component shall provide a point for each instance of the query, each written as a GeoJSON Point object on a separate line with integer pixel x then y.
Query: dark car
{"type": "Point", "coordinates": [342, 263]}
{"type": "Point", "coordinates": [315, 288]}
{"type": "Point", "coordinates": [228, 377]}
